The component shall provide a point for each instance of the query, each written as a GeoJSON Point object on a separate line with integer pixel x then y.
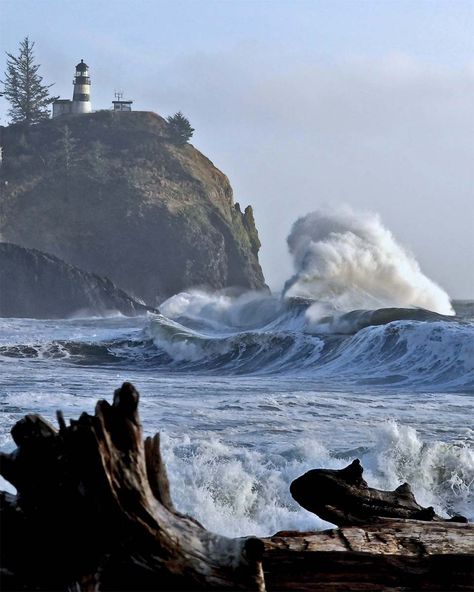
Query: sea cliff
{"type": "Point", "coordinates": [112, 194]}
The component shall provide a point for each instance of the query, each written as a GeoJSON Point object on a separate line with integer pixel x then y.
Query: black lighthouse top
{"type": "Point", "coordinates": [82, 66]}
{"type": "Point", "coordinates": [82, 75]}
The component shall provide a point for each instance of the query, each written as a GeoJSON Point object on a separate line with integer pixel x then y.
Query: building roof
{"type": "Point", "coordinates": [121, 101]}
{"type": "Point", "coordinates": [62, 101]}
{"type": "Point", "coordinates": [82, 66]}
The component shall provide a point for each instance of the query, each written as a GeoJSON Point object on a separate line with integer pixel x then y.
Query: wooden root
{"type": "Point", "coordinates": [344, 498]}
{"type": "Point", "coordinates": [93, 512]}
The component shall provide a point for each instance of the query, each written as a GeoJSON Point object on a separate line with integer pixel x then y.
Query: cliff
{"type": "Point", "coordinates": [112, 194]}
{"type": "Point", "coordinates": [37, 285]}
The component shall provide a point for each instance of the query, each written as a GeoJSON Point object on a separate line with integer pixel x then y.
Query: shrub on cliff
{"type": "Point", "coordinates": [180, 130]}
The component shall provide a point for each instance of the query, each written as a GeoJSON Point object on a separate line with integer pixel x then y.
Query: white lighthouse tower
{"type": "Point", "coordinates": [81, 99]}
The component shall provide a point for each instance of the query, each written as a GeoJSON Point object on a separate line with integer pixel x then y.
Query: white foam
{"type": "Point", "coordinates": [345, 261]}
{"type": "Point", "coordinates": [239, 491]}
{"type": "Point", "coordinates": [222, 311]}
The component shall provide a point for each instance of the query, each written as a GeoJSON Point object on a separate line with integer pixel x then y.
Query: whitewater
{"type": "Point", "coordinates": [360, 356]}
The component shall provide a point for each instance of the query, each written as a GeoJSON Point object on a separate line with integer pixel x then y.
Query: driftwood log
{"type": "Point", "coordinates": [393, 555]}
{"type": "Point", "coordinates": [94, 512]}
{"type": "Point", "coordinates": [344, 498]}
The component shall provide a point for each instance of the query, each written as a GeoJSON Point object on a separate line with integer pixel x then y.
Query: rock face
{"type": "Point", "coordinates": [37, 285]}
{"type": "Point", "coordinates": [110, 193]}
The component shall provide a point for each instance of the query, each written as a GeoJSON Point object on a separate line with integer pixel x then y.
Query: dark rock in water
{"type": "Point", "coordinates": [37, 285]}
{"type": "Point", "coordinates": [109, 193]}
{"type": "Point", "coordinates": [344, 498]}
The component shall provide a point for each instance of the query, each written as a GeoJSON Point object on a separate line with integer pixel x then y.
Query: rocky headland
{"type": "Point", "coordinates": [38, 285]}
{"type": "Point", "coordinates": [112, 194]}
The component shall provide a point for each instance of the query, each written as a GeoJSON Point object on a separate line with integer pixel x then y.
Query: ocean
{"type": "Point", "coordinates": [360, 356]}
{"type": "Point", "coordinates": [250, 390]}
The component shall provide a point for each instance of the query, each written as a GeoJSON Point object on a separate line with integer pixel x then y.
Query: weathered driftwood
{"type": "Point", "coordinates": [344, 498]}
{"type": "Point", "coordinates": [94, 512]}
{"type": "Point", "coordinates": [391, 555]}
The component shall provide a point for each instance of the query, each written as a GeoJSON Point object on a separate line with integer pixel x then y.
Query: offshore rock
{"type": "Point", "coordinates": [112, 194]}
{"type": "Point", "coordinates": [38, 285]}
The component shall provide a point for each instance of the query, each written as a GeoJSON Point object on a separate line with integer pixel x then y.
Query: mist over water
{"type": "Point", "coordinates": [346, 260]}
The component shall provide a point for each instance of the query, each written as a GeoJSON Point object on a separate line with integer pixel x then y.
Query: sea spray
{"type": "Point", "coordinates": [237, 491]}
{"type": "Point", "coordinates": [345, 260]}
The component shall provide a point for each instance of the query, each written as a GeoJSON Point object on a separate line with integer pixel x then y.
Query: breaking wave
{"type": "Point", "coordinates": [236, 491]}
{"type": "Point", "coordinates": [385, 347]}
{"type": "Point", "coordinates": [263, 335]}
{"type": "Point", "coordinates": [357, 312]}
{"type": "Point", "coordinates": [345, 261]}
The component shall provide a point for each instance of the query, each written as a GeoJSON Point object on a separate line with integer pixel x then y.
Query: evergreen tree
{"type": "Point", "coordinates": [23, 87]}
{"type": "Point", "coordinates": [179, 128]}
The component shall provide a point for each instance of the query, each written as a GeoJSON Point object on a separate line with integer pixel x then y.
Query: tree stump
{"type": "Point", "coordinates": [93, 512]}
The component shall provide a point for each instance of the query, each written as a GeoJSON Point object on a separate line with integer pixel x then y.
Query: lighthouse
{"type": "Point", "coordinates": [81, 98]}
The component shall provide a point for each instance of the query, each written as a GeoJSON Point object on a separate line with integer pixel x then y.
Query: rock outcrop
{"type": "Point", "coordinates": [37, 285]}
{"type": "Point", "coordinates": [111, 193]}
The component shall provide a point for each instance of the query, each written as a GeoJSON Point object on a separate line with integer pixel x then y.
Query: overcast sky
{"type": "Point", "coordinates": [301, 103]}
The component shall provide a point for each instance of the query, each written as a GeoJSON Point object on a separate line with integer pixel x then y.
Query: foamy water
{"type": "Point", "coordinates": [242, 418]}
{"type": "Point", "coordinates": [362, 357]}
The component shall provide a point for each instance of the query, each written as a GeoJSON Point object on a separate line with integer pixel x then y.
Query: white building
{"type": "Point", "coordinates": [81, 98]}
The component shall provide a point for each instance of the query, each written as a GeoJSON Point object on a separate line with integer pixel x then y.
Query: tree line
{"type": "Point", "coordinates": [30, 99]}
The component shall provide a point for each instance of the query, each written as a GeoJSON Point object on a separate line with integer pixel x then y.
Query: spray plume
{"type": "Point", "coordinates": [345, 260]}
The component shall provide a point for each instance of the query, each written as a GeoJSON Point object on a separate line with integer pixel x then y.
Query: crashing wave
{"type": "Point", "coordinates": [234, 490]}
{"type": "Point", "coordinates": [346, 261]}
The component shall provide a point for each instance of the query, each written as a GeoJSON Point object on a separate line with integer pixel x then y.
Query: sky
{"type": "Point", "coordinates": [303, 104]}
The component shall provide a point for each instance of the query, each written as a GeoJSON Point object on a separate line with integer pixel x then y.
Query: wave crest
{"type": "Point", "coordinates": [345, 261]}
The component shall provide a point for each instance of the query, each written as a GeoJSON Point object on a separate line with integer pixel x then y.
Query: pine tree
{"type": "Point", "coordinates": [179, 128]}
{"type": "Point", "coordinates": [23, 87]}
